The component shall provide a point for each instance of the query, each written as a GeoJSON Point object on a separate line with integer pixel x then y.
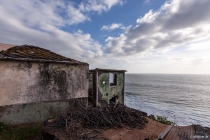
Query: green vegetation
{"type": "Point", "coordinates": [162, 119]}
{"type": "Point", "coordinates": [20, 132]}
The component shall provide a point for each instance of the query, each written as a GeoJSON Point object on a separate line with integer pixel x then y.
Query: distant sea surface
{"type": "Point", "coordinates": [183, 99]}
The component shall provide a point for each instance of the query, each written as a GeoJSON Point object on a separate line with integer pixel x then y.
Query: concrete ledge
{"type": "Point", "coordinates": [163, 134]}
{"type": "Point", "coordinates": [39, 111]}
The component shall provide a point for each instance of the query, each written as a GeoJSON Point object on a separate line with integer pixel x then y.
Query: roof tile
{"type": "Point", "coordinates": [29, 52]}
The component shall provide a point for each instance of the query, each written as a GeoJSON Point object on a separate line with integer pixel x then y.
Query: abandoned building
{"type": "Point", "coordinates": [105, 86]}
{"type": "Point", "coordinates": [37, 84]}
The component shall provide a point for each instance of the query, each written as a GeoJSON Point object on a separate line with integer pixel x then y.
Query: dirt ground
{"type": "Point", "coordinates": [149, 132]}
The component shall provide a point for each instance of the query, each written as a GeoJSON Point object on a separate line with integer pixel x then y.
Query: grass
{"type": "Point", "coordinates": [162, 119]}
{"type": "Point", "coordinates": [20, 132]}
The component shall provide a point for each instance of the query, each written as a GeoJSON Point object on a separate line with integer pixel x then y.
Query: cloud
{"type": "Point", "coordinates": [113, 26]}
{"type": "Point", "coordinates": [39, 23]}
{"type": "Point", "coordinates": [98, 5]}
{"type": "Point", "coordinates": [148, 17]}
{"type": "Point", "coordinates": [146, 1]}
{"type": "Point", "coordinates": [55, 12]}
{"type": "Point", "coordinates": [199, 46]}
{"type": "Point", "coordinates": [75, 16]}
{"type": "Point", "coordinates": [187, 61]}
{"type": "Point", "coordinates": [175, 23]}
{"type": "Point", "coordinates": [80, 12]}
{"type": "Point", "coordinates": [26, 12]}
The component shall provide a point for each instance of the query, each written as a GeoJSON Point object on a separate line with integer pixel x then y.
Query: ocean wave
{"type": "Point", "coordinates": [185, 96]}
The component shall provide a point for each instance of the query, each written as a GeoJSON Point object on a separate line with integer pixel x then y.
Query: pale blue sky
{"type": "Point", "coordinates": [140, 36]}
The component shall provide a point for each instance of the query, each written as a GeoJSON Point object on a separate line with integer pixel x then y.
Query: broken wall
{"type": "Point", "coordinates": [106, 92]}
{"type": "Point", "coordinates": [37, 91]}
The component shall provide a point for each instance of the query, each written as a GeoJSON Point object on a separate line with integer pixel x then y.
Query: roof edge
{"type": "Point", "coordinates": [41, 60]}
{"type": "Point", "coordinates": [100, 69]}
{"type": "Point", "coordinates": [38, 54]}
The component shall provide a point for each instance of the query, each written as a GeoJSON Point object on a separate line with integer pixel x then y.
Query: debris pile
{"type": "Point", "coordinates": [86, 122]}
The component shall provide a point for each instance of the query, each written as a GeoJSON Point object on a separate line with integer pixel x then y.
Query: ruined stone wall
{"type": "Point", "coordinates": [41, 86]}
{"type": "Point", "coordinates": [106, 92]}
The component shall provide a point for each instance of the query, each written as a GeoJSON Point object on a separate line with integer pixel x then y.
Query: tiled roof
{"type": "Point", "coordinates": [33, 53]}
{"type": "Point", "coordinates": [180, 133]}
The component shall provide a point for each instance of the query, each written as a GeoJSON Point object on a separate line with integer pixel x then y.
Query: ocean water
{"type": "Point", "coordinates": [183, 99]}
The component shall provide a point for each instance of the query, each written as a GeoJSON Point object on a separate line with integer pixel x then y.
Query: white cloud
{"type": "Point", "coordinates": [113, 26]}
{"type": "Point", "coordinates": [199, 46]}
{"type": "Point", "coordinates": [80, 13]}
{"type": "Point", "coordinates": [75, 16]}
{"type": "Point", "coordinates": [98, 5]}
{"type": "Point", "coordinates": [175, 23]}
{"type": "Point", "coordinates": [146, 1]}
{"type": "Point", "coordinates": [38, 23]}
{"type": "Point", "coordinates": [31, 13]}
{"type": "Point", "coordinates": [57, 13]}
{"type": "Point", "coordinates": [148, 17]}
{"type": "Point", "coordinates": [187, 61]}
{"type": "Point", "coordinates": [154, 36]}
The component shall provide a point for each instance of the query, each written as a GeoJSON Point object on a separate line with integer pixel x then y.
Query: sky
{"type": "Point", "coordinates": [140, 36]}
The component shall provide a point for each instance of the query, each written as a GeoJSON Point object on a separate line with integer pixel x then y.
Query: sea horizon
{"type": "Point", "coordinates": [171, 73]}
{"type": "Point", "coordinates": [182, 98]}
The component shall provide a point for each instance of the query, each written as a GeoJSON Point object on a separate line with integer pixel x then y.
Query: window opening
{"type": "Point", "coordinates": [112, 79]}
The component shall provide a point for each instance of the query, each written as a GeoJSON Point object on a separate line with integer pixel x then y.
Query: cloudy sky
{"type": "Point", "coordinates": [140, 36]}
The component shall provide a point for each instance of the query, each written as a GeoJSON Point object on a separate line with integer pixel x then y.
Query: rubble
{"type": "Point", "coordinates": [87, 123]}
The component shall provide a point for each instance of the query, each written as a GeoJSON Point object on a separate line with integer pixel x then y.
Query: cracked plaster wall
{"type": "Point", "coordinates": [106, 92]}
{"type": "Point", "coordinates": [33, 82]}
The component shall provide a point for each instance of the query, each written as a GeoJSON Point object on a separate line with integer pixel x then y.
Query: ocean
{"type": "Point", "coordinates": [183, 99]}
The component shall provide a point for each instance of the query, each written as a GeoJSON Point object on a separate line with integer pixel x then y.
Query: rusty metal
{"type": "Point", "coordinates": [180, 133]}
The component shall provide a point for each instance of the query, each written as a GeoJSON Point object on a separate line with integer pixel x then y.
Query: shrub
{"type": "Point", "coordinates": [20, 132]}
{"type": "Point", "coordinates": [162, 119]}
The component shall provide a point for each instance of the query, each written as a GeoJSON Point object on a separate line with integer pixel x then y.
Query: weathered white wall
{"type": "Point", "coordinates": [28, 82]}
